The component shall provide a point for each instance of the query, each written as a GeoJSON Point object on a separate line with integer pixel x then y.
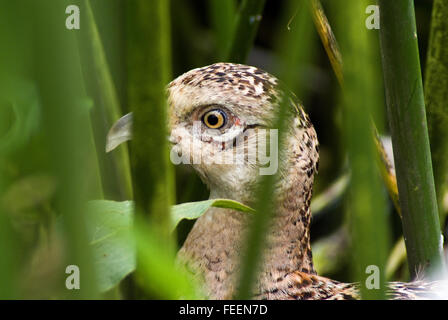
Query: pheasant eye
{"type": "Point", "coordinates": [214, 119]}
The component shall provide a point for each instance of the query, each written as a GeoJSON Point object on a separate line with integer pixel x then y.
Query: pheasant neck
{"type": "Point", "coordinates": [289, 246]}
{"type": "Point", "coordinates": [214, 246]}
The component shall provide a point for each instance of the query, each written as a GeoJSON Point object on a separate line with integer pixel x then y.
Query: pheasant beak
{"type": "Point", "coordinates": [120, 132]}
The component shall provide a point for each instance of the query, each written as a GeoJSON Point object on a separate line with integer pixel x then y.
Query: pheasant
{"type": "Point", "coordinates": [223, 109]}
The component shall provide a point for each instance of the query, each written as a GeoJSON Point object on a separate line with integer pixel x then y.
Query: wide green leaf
{"type": "Point", "coordinates": [110, 233]}
{"type": "Point", "coordinates": [193, 210]}
{"type": "Point", "coordinates": [109, 227]}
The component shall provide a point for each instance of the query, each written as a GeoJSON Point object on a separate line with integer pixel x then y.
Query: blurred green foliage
{"type": "Point", "coordinates": [366, 201]}
{"type": "Point", "coordinates": [61, 89]}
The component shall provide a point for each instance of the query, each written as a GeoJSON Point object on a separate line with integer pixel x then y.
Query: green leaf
{"type": "Point", "coordinates": [109, 227]}
{"type": "Point", "coordinates": [193, 210]}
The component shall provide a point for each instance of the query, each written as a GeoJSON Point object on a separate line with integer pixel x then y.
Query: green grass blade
{"type": "Point", "coordinates": [256, 238]}
{"type": "Point", "coordinates": [158, 272]}
{"type": "Point", "coordinates": [222, 15]}
{"type": "Point", "coordinates": [245, 30]}
{"type": "Point", "coordinates": [436, 84]}
{"type": "Point", "coordinates": [66, 123]}
{"type": "Point", "coordinates": [115, 168]}
{"type": "Point", "coordinates": [407, 119]}
{"type": "Point", "coordinates": [148, 58]}
{"type": "Point", "coordinates": [148, 64]}
{"type": "Point", "coordinates": [328, 39]}
{"type": "Point", "coordinates": [365, 205]}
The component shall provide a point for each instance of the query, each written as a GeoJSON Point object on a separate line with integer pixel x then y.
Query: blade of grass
{"type": "Point", "coordinates": [256, 238]}
{"type": "Point", "coordinates": [222, 15]}
{"type": "Point", "coordinates": [148, 57]}
{"type": "Point", "coordinates": [148, 63]}
{"type": "Point", "coordinates": [330, 195]}
{"type": "Point", "coordinates": [407, 120]}
{"type": "Point", "coordinates": [436, 96]}
{"type": "Point", "coordinates": [245, 30]}
{"type": "Point", "coordinates": [396, 258]}
{"type": "Point", "coordinates": [114, 167]}
{"type": "Point", "coordinates": [66, 121]}
{"type": "Point", "coordinates": [328, 39]}
{"type": "Point", "coordinates": [158, 271]}
{"type": "Point", "coordinates": [332, 49]}
{"type": "Point", "coordinates": [365, 203]}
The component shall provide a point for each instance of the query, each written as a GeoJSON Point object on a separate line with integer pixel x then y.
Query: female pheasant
{"type": "Point", "coordinates": [215, 114]}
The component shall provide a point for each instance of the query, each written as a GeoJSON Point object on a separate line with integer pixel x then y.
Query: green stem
{"type": "Point", "coordinates": [247, 21]}
{"type": "Point", "coordinates": [114, 167]}
{"type": "Point", "coordinates": [366, 205]}
{"type": "Point", "coordinates": [436, 96]}
{"type": "Point", "coordinates": [148, 63]}
{"type": "Point", "coordinates": [66, 123]}
{"type": "Point", "coordinates": [222, 14]}
{"type": "Point", "coordinates": [256, 239]}
{"type": "Point", "coordinates": [407, 120]}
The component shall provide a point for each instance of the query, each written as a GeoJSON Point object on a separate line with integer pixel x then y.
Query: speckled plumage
{"type": "Point", "coordinates": [212, 250]}
{"type": "Point", "coordinates": [213, 246]}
